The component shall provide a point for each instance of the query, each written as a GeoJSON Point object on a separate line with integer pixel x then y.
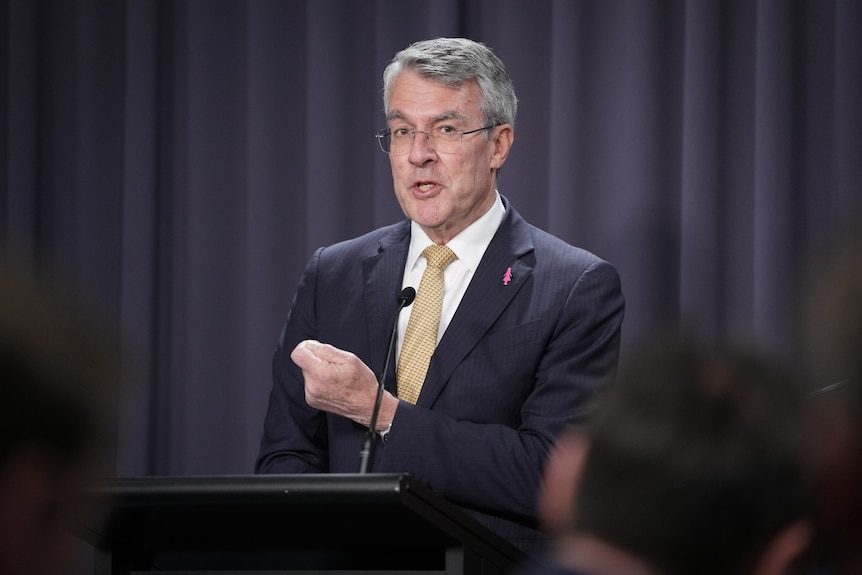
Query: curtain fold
{"type": "Point", "coordinates": [175, 164]}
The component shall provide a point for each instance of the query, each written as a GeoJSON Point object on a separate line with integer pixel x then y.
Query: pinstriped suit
{"type": "Point", "coordinates": [516, 364]}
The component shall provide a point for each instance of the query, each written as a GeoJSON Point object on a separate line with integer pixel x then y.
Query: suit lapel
{"type": "Point", "coordinates": [382, 274]}
{"type": "Point", "coordinates": [485, 299]}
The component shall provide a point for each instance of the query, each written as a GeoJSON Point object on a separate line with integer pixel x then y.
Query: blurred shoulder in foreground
{"type": "Point", "coordinates": [692, 464]}
{"type": "Point", "coordinates": [58, 377]}
{"type": "Point", "coordinates": [832, 340]}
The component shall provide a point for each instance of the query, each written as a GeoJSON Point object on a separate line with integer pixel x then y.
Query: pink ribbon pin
{"type": "Point", "coordinates": [507, 277]}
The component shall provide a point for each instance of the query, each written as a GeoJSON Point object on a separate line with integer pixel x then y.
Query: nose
{"type": "Point", "coordinates": [421, 151]}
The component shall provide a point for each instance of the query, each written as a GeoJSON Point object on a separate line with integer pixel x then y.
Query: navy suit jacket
{"type": "Point", "coordinates": [519, 361]}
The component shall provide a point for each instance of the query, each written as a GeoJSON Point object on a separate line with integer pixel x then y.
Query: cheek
{"type": "Point", "coordinates": [396, 170]}
{"type": "Point", "coordinates": [473, 172]}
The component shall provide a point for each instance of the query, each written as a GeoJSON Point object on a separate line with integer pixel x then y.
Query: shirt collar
{"type": "Point", "coordinates": [469, 245]}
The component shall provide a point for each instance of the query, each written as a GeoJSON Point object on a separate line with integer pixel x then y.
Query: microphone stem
{"type": "Point", "coordinates": [365, 454]}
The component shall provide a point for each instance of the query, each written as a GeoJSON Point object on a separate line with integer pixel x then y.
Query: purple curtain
{"type": "Point", "coordinates": [176, 162]}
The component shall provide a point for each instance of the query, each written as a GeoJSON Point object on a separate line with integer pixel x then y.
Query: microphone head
{"type": "Point", "coordinates": [407, 296]}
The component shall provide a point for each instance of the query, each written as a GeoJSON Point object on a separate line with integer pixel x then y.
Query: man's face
{"type": "Point", "coordinates": [444, 192]}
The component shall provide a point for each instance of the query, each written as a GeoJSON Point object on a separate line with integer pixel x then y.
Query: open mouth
{"type": "Point", "coordinates": [424, 186]}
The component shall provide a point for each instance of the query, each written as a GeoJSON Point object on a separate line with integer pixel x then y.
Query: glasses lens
{"type": "Point", "coordinates": [446, 142]}
{"type": "Point", "coordinates": [440, 141]}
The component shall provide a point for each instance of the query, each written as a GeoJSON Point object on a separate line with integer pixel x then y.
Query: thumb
{"type": "Point", "coordinates": [324, 351]}
{"type": "Point", "coordinates": [310, 345]}
{"type": "Point", "coordinates": [312, 351]}
{"type": "Point", "coordinates": [305, 353]}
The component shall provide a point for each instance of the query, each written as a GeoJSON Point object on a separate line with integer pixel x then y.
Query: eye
{"type": "Point", "coordinates": [446, 130]}
{"type": "Point", "coordinates": [400, 132]}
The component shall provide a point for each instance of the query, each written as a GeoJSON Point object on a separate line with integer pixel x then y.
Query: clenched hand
{"type": "Point", "coordinates": [338, 382]}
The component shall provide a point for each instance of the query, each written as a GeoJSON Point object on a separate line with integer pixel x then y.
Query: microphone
{"type": "Point", "coordinates": [405, 298]}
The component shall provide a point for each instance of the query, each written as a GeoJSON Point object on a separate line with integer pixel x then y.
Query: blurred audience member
{"type": "Point", "coordinates": [57, 375]}
{"type": "Point", "coordinates": [692, 465]}
{"type": "Point", "coordinates": [832, 337]}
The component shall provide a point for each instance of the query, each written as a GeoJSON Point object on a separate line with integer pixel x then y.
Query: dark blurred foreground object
{"type": "Point", "coordinates": [832, 338]}
{"type": "Point", "coordinates": [58, 376]}
{"type": "Point", "coordinates": [692, 464]}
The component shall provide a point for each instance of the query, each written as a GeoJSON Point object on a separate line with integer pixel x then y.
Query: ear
{"type": "Point", "coordinates": [785, 548]}
{"type": "Point", "coordinates": [503, 137]}
{"type": "Point", "coordinates": [562, 474]}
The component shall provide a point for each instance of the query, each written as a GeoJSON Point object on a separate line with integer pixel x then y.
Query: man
{"type": "Point", "coordinates": [58, 377]}
{"type": "Point", "coordinates": [529, 327]}
{"type": "Point", "coordinates": [692, 464]}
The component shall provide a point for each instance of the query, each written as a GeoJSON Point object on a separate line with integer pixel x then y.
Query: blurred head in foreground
{"type": "Point", "coordinates": [57, 377]}
{"type": "Point", "coordinates": [692, 464]}
{"type": "Point", "coordinates": [832, 338]}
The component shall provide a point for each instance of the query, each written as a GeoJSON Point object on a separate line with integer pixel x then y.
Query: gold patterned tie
{"type": "Point", "coordinates": [420, 339]}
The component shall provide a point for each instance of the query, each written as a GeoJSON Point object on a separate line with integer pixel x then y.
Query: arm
{"type": "Point", "coordinates": [312, 381]}
{"type": "Point", "coordinates": [295, 434]}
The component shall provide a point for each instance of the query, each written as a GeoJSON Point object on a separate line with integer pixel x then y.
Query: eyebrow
{"type": "Point", "coordinates": [442, 117]}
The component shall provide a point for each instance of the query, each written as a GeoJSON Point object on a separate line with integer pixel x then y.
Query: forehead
{"type": "Point", "coordinates": [419, 100]}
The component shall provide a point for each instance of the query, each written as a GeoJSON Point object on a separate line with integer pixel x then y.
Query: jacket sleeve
{"type": "Point", "coordinates": [295, 434]}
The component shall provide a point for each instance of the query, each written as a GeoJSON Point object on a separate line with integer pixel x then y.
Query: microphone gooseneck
{"type": "Point", "coordinates": [405, 298]}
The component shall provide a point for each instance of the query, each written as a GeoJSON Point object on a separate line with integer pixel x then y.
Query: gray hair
{"type": "Point", "coordinates": [453, 61]}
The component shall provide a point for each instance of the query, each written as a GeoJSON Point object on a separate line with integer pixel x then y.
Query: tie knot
{"type": "Point", "coordinates": [439, 256]}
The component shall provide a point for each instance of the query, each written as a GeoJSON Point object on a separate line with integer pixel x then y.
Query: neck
{"type": "Point", "coordinates": [596, 557]}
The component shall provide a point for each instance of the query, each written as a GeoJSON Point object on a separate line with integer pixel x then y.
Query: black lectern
{"type": "Point", "coordinates": [314, 524]}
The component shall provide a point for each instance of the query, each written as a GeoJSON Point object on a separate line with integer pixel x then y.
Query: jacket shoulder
{"type": "Point", "coordinates": [367, 244]}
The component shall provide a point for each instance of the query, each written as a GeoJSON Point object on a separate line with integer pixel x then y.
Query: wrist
{"type": "Point", "coordinates": [387, 413]}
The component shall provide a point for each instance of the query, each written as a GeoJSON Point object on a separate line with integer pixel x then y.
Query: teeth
{"type": "Point", "coordinates": [425, 187]}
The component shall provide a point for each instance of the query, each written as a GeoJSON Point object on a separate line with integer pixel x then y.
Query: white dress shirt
{"type": "Point", "coordinates": [469, 246]}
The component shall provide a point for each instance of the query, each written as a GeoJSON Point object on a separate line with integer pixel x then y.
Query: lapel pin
{"type": "Point", "coordinates": [507, 277]}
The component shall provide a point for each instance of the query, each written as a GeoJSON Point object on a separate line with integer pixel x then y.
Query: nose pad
{"type": "Point", "coordinates": [423, 149]}
{"type": "Point", "coordinates": [427, 137]}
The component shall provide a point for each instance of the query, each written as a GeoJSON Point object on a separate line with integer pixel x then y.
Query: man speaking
{"type": "Point", "coordinates": [511, 335]}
